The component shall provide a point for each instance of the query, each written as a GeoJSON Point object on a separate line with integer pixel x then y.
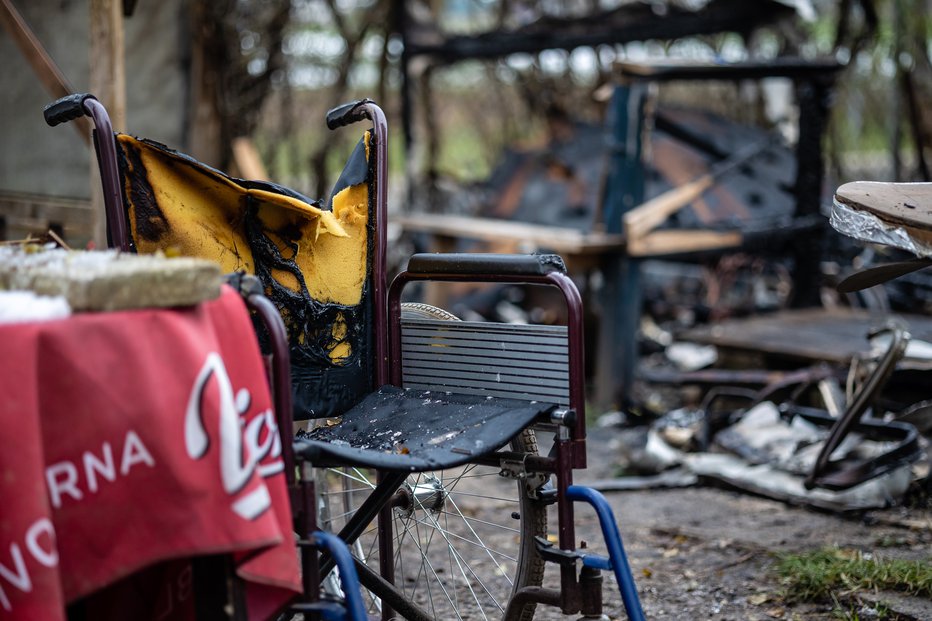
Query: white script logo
{"type": "Point", "coordinates": [242, 445]}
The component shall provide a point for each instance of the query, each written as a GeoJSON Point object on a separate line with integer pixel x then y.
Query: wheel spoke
{"type": "Point", "coordinates": [426, 563]}
{"type": "Point", "coordinates": [479, 539]}
{"type": "Point", "coordinates": [460, 558]}
{"type": "Point", "coordinates": [357, 476]}
{"type": "Point", "coordinates": [485, 522]}
{"type": "Point", "coordinates": [508, 500]}
{"type": "Point", "coordinates": [468, 580]}
{"type": "Point", "coordinates": [476, 544]}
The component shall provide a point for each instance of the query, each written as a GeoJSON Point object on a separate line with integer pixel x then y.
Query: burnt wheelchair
{"type": "Point", "coordinates": [422, 455]}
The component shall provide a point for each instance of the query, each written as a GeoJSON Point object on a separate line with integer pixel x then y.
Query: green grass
{"type": "Point", "coordinates": [821, 574]}
{"type": "Point", "coordinates": [880, 612]}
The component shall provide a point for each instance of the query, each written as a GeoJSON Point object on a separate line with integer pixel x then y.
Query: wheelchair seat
{"type": "Point", "coordinates": [416, 430]}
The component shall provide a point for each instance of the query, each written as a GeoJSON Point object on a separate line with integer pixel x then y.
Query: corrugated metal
{"type": "Point", "coordinates": [492, 359]}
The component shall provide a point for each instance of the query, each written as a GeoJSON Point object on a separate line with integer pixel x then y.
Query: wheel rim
{"type": "Point", "coordinates": [462, 538]}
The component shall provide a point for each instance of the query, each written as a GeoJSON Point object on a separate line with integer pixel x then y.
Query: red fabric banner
{"type": "Point", "coordinates": [131, 438]}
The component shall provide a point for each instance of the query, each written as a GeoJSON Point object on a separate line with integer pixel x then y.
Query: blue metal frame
{"type": "Point", "coordinates": [617, 560]}
{"type": "Point", "coordinates": [352, 608]}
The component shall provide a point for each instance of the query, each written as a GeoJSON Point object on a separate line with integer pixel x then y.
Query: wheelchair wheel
{"type": "Point", "coordinates": [463, 538]}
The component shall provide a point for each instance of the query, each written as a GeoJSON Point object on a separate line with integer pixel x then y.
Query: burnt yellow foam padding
{"type": "Point", "coordinates": [339, 348]}
{"type": "Point", "coordinates": [199, 212]}
{"type": "Point", "coordinates": [335, 267]}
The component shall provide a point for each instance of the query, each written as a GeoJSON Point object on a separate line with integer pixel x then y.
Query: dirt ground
{"type": "Point", "coordinates": [696, 553]}
{"type": "Point", "coordinates": [708, 553]}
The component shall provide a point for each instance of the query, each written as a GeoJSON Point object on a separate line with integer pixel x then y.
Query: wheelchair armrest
{"type": "Point", "coordinates": [470, 264]}
{"type": "Point", "coordinates": [501, 268]}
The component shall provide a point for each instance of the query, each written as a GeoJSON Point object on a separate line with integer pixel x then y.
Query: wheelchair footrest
{"type": "Point", "coordinates": [552, 554]}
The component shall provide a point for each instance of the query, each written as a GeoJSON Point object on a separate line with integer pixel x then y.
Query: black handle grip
{"type": "Point", "coordinates": [66, 109]}
{"type": "Point", "coordinates": [468, 264]}
{"type": "Point", "coordinates": [348, 113]}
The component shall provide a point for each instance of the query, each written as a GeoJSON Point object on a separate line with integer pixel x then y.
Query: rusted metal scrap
{"type": "Point", "coordinates": [794, 434]}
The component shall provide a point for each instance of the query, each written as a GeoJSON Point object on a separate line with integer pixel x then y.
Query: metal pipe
{"type": "Point", "coordinates": [616, 551]}
{"type": "Point", "coordinates": [574, 308]}
{"type": "Point", "coordinates": [394, 328]}
{"type": "Point", "coordinates": [566, 527]}
{"type": "Point", "coordinates": [530, 595]}
{"type": "Point", "coordinates": [380, 496]}
{"type": "Point", "coordinates": [867, 394]}
{"type": "Point", "coordinates": [349, 579]}
{"type": "Point", "coordinates": [307, 524]}
{"type": "Point", "coordinates": [390, 594]}
{"type": "Point", "coordinates": [380, 268]}
{"type": "Point", "coordinates": [281, 377]}
{"type": "Point", "coordinates": [109, 175]}
{"type": "Point", "coordinates": [576, 349]}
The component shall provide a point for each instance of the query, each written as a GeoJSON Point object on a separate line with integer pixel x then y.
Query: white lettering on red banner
{"type": "Point", "coordinates": [242, 445]}
{"type": "Point", "coordinates": [14, 571]}
{"type": "Point", "coordinates": [64, 477]}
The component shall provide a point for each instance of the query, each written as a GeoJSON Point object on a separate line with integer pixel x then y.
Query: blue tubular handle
{"type": "Point", "coordinates": [349, 579]}
{"type": "Point", "coordinates": [616, 551]}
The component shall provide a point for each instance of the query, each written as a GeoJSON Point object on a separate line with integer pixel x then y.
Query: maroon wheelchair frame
{"type": "Point", "coordinates": [576, 593]}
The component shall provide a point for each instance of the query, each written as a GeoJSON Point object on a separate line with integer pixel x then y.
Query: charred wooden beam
{"type": "Point", "coordinates": [822, 70]}
{"type": "Point", "coordinates": [814, 99]}
{"type": "Point", "coordinates": [636, 22]}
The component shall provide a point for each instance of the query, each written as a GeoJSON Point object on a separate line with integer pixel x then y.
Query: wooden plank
{"type": "Point", "coordinates": [630, 22]}
{"type": "Point", "coordinates": [33, 214]}
{"type": "Point", "coordinates": [247, 160]}
{"type": "Point", "coordinates": [683, 69]}
{"type": "Point", "coordinates": [55, 208]}
{"type": "Point", "coordinates": [830, 335]}
{"type": "Point", "coordinates": [107, 58]}
{"type": "Point", "coordinates": [669, 242]}
{"type": "Point", "coordinates": [555, 238]}
{"type": "Point", "coordinates": [38, 58]}
{"type": "Point", "coordinates": [650, 214]}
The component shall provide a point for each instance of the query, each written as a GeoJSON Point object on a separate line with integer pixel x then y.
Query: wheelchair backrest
{"type": "Point", "coordinates": [528, 362]}
{"type": "Point", "coordinates": [314, 260]}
